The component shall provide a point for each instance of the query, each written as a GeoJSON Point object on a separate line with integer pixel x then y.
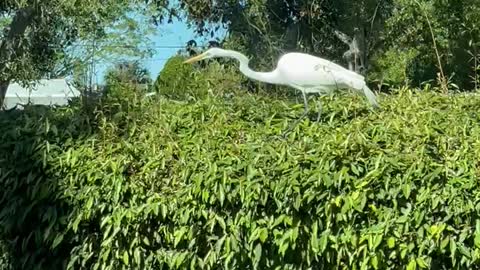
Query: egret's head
{"type": "Point", "coordinates": [210, 53]}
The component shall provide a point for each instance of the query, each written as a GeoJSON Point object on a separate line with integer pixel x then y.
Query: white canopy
{"type": "Point", "coordinates": [44, 92]}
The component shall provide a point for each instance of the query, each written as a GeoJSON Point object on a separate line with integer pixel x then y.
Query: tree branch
{"type": "Point", "coordinates": [343, 37]}
{"type": "Point", "coordinates": [10, 46]}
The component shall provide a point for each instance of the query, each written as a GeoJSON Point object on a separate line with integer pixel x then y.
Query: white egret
{"type": "Point", "coordinates": [304, 72]}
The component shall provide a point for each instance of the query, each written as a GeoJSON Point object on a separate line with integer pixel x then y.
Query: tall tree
{"type": "Point", "coordinates": [37, 34]}
{"type": "Point", "coordinates": [341, 30]}
{"type": "Point", "coordinates": [127, 39]}
{"type": "Point", "coordinates": [397, 40]}
{"type": "Point", "coordinates": [130, 72]}
{"type": "Point", "coordinates": [434, 37]}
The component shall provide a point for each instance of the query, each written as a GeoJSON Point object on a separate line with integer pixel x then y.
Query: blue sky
{"type": "Point", "coordinates": [174, 34]}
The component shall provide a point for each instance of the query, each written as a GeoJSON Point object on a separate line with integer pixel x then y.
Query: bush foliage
{"type": "Point", "coordinates": [166, 184]}
{"type": "Point", "coordinates": [192, 82]}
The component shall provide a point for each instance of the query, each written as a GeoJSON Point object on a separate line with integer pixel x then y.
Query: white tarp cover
{"type": "Point", "coordinates": [44, 92]}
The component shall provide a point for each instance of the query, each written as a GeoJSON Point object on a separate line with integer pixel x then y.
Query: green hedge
{"type": "Point", "coordinates": [196, 81]}
{"type": "Point", "coordinates": [212, 185]}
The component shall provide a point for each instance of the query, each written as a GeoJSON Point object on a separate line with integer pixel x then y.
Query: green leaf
{"type": "Point", "coordinates": [263, 234]}
{"type": "Point", "coordinates": [125, 258]}
{"type": "Point", "coordinates": [89, 204]}
{"type": "Point", "coordinates": [178, 236]}
{"type": "Point", "coordinates": [402, 219]}
{"type": "Point", "coordinates": [279, 220]}
{"type": "Point", "coordinates": [221, 194]}
{"type": "Point", "coordinates": [324, 240]}
{"type": "Point", "coordinates": [374, 262]}
{"type": "Point", "coordinates": [464, 250]}
{"type": "Point", "coordinates": [365, 262]}
{"type": "Point", "coordinates": [407, 190]}
{"type": "Point", "coordinates": [378, 240]}
{"type": "Point", "coordinates": [453, 247]}
{"type": "Point", "coordinates": [403, 252]}
{"type": "Point", "coordinates": [163, 210]}
{"type": "Point", "coordinates": [412, 265]}
{"type": "Point", "coordinates": [180, 258]}
{"type": "Point", "coordinates": [283, 247]}
{"type": "Point", "coordinates": [219, 244]}
{"type": "Point", "coordinates": [391, 242]}
{"type": "Point", "coordinates": [444, 243]}
{"type": "Point", "coordinates": [477, 234]}
{"type": "Point", "coordinates": [57, 241]}
{"type": "Point", "coordinates": [422, 263]}
{"type": "Point", "coordinates": [146, 241]}
{"type": "Point", "coordinates": [136, 255]}
{"type": "Point", "coordinates": [221, 222]}
{"type": "Point", "coordinates": [257, 254]}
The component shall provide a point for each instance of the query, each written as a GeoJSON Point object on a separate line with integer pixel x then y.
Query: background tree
{"type": "Point", "coordinates": [129, 73]}
{"type": "Point", "coordinates": [270, 28]}
{"type": "Point", "coordinates": [388, 40]}
{"type": "Point", "coordinates": [46, 38]}
{"type": "Point", "coordinates": [127, 39]}
{"type": "Point", "coordinates": [455, 32]}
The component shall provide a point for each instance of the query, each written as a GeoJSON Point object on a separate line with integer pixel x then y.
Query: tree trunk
{"type": "Point", "coordinates": [291, 36]}
{"type": "Point", "coordinates": [10, 46]}
{"type": "Point", "coordinates": [356, 54]}
{"type": "Point", "coordinates": [361, 36]}
{"type": "Point", "coordinates": [352, 54]}
{"type": "Point", "coordinates": [3, 91]}
{"type": "Point", "coordinates": [355, 50]}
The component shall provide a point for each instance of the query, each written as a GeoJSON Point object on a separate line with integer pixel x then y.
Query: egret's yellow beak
{"type": "Point", "coordinates": [195, 58]}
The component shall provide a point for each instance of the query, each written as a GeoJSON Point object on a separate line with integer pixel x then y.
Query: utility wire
{"type": "Point", "coordinates": [97, 46]}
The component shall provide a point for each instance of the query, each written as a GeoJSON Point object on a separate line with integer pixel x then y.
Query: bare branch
{"type": "Point", "coordinates": [343, 37]}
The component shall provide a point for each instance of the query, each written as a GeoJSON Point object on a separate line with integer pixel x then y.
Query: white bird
{"type": "Point", "coordinates": [304, 72]}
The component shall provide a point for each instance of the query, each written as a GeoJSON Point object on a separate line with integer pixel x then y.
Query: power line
{"type": "Point", "coordinates": [145, 47]}
{"type": "Point", "coordinates": [124, 46]}
{"type": "Point", "coordinates": [107, 62]}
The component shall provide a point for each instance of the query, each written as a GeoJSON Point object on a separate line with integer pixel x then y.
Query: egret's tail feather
{"type": "Point", "coordinates": [370, 96]}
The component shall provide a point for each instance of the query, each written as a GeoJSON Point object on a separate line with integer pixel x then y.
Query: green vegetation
{"type": "Point", "coordinates": [432, 36]}
{"type": "Point", "coordinates": [199, 176]}
{"type": "Point", "coordinates": [185, 82]}
{"type": "Point", "coordinates": [395, 42]}
{"type": "Point", "coordinates": [51, 38]}
{"type": "Point", "coordinates": [145, 183]}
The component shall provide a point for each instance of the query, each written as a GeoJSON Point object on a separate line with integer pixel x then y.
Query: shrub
{"type": "Point", "coordinates": [5, 260]}
{"type": "Point", "coordinates": [211, 185]}
{"type": "Point", "coordinates": [186, 81]}
{"type": "Point", "coordinates": [125, 83]}
{"type": "Point", "coordinates": [391, 67]}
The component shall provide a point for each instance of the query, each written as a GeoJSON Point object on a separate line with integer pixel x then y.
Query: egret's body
{"type": "Point", "coordinates": [304, 72]}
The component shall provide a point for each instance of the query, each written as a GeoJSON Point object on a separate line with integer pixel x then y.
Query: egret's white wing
{"type": "Point", "coordinates": [337, 68]}
{"type": "Point", "coordinates": [345, 77]}
{"type": "Point", "coordinates": [311, 72]}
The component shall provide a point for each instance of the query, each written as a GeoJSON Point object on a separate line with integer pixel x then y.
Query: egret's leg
{"type": "Point", "coordinates": [305, 103]}
{"type": "Point", "coordinates": [319, 105]}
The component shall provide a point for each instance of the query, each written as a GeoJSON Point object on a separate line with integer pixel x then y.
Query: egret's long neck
{"type": "Point", "coordinates": [268, 77]}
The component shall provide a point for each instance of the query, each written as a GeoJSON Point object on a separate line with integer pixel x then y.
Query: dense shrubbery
{"type": "Point", "coordinates": [192, 82]}
{"type": "Point", "coordinates": [165, 184]}
{"type": "Point", "coordinates": [5, 260]}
